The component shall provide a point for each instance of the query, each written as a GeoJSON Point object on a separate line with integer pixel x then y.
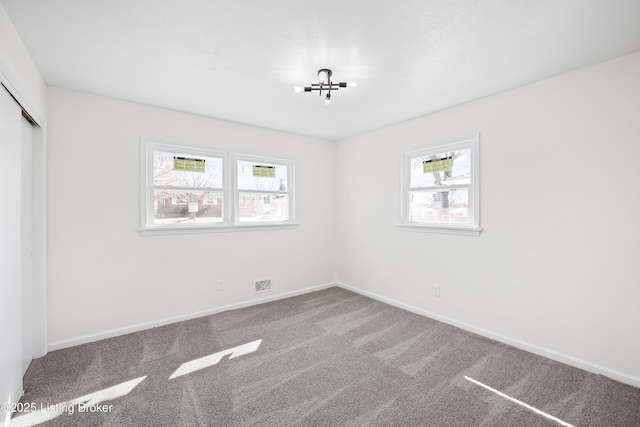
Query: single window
{"type": "Point", "coordinates": [440, 188]}
{"type": "Point", "coordinates": [182, 187]}
{"type": "Point", "coordinates": [264, 190]}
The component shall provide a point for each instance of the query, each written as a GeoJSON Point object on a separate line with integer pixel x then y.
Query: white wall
{"type": "Point", "coordinates": [557, 263]}
{"type": "Point", "coordinates": [102, 275]}
{"type": "Point", "coordinates": [16, 58]}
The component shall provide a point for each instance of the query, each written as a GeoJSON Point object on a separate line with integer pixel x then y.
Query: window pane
{"type": "Point", "coordinates": [186, 170]}
{"type": "Point", "coordinates": [450, 206]}
{"type": "Point", "coordinates": [177, 207]}
{"type": "Point", "coordinates": [263, 207]}
{"type": "Point", "coordinates": [261, 176]}
{"type": "Point", "coordinates": [448, 168]}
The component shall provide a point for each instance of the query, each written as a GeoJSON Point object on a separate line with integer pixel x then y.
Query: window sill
{"type": "Point", "coordinates": [159, 231]}
{"type": "Point", "coordinates": [442, 229]}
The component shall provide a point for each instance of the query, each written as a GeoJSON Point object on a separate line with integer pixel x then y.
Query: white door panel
{"type": "Point", "coordinates": [26, 216]}
{"type": "Point", "coordinates": [10, 251]}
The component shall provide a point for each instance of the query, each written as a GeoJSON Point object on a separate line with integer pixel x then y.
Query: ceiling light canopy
{"type": "Point", "coordinates": [324, 83]}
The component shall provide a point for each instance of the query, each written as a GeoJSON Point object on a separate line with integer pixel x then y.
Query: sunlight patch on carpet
{"type": "Point", "coordinates": [213, 359]}
{"type": "Point", "coordinates": [519, 402]}
{"type": "Point", "coordinates": [92, 402]}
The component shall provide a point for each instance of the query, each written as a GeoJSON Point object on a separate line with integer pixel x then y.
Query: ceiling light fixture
{"type": "Point", "coordinates": [324, 83]}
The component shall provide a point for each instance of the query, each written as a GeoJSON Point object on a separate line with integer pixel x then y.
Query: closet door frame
{"type": "Point", "coordinates": [38, 252]}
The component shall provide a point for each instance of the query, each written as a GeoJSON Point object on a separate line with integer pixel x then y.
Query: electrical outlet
{"type": "Point", "coordinates": [220, 285]}
{"type": "Point", "coordinates": [436, 290]}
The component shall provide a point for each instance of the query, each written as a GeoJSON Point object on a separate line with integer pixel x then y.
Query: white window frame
{"type": "Point", "coordinates": [230, 194]}
{"type": "Point", "coordinates": [473, 227]}
{"type": "Point", "coordinates": [289, 164]}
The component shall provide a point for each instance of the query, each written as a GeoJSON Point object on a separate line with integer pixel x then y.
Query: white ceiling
{"type": "Point", "coordinates": [239, 59]}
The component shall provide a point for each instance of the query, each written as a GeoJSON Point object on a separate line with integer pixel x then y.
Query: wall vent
{"type": "Point", "coordinates": [263, 285]}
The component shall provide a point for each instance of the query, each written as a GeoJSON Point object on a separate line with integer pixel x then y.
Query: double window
{"type": "Point", "coordinates": [440, 188]}
{"type": "Point", "coordinates": [188, 189]}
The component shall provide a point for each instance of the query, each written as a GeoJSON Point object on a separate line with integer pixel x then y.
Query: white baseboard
{"type": "Point", "coordinates": [58, 345]}
{"type": "Point", "coordinates": [532, 348]}
{"type": "Point", "coordinates": [559, 357]}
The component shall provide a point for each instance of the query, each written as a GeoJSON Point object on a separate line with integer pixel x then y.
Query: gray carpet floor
{"type": "Point", "coordinates": [327, 358]}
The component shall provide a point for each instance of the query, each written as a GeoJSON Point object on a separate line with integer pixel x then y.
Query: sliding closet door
{"type": "Point", "coordinates": [10, 251]}
{"type": "Point", "coordinates": [26, 220]}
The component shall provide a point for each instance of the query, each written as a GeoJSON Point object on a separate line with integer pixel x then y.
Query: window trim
{"type": "Point", "coordinates": [473, 228]}
{"type": "Point", "coordinates": [229, 191]}
{"type": "Point", "coordinates": [289, 164]}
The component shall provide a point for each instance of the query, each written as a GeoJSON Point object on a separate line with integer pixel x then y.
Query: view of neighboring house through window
{"type": "Point", "coordinates": [440, 188]}
{"type": "Point", "coordinates": [263, 189]}
{"type": "Point", "coordinates": [191, 189]}
{"type": "Point", "coordinates": [186, 188]}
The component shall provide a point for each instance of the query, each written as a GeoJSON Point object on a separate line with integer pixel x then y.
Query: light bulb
{"type": "Point", "coordinates": [322, 76]}
{"type": "Point", "coordinates": [327, 100]}
{"type": "Point", "coordinates": [298, 89]}
{"type": "Point", "coordinates": [352, 84]}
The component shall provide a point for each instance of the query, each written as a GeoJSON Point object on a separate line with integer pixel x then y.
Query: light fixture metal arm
{"type": "Point", "coordinates": [318, 86]}
{"type": "Point", "coordinates": [324, 83]}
